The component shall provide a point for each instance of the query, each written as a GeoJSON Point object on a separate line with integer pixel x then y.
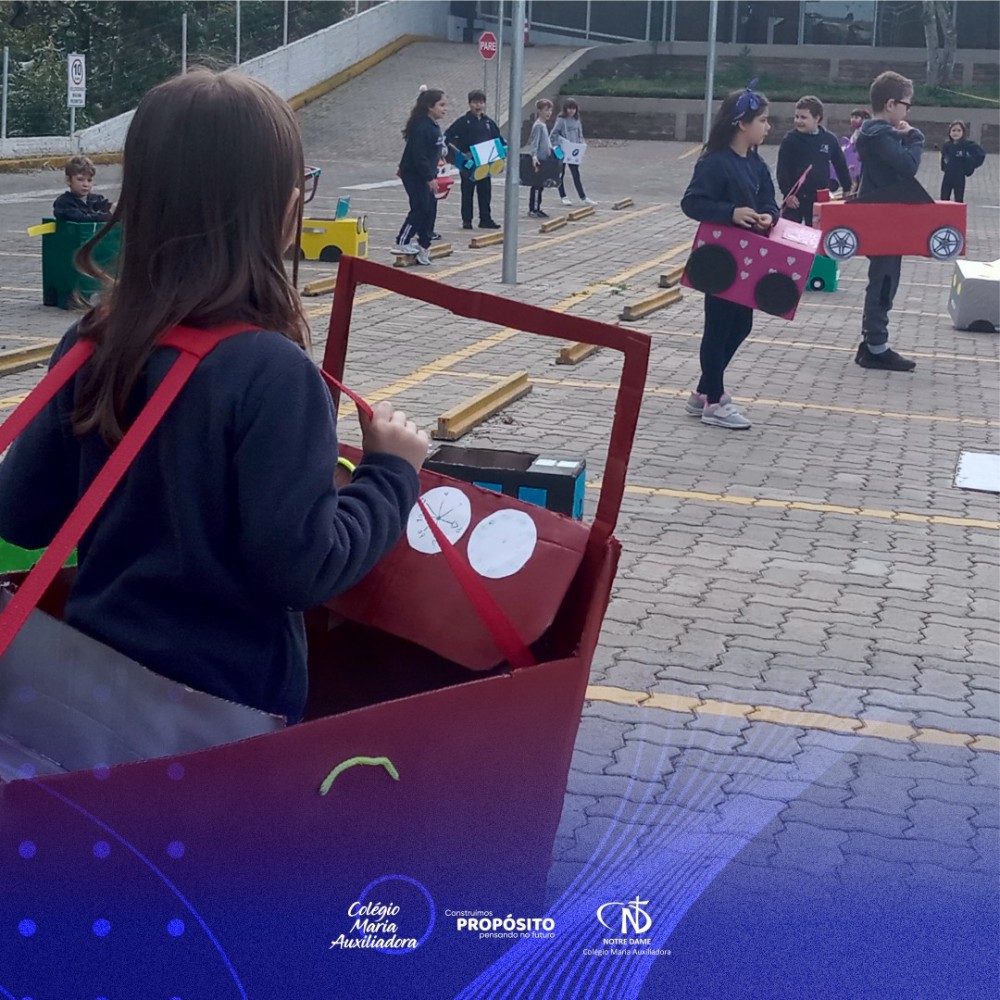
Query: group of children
{"type": "Point", "coordinates": [732, 184]}
{"type": "Point", "coordinates": [426, 147]}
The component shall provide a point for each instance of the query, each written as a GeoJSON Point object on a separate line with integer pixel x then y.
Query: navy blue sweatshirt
{"type": "Point", "coordinates": [887, 155]}
{"type": "Point", "coordinates": [724, 181]}
{"type": "Point", "coordinates": [224, 529]}
{"type": "Point", "coordinates": [820, 150]}
{"type": "Point", "coordinates": [470, 129]}
{"type": "Point", "coordinates": [70, 208]}
{"type": "Point", "coordinates": [960, 159]}
{"type": "Point", "coordinates": [423, 150]}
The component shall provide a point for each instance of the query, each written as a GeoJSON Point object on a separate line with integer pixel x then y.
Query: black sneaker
{"type": "Point", "coordinates": [435, 236]}
{"type": "Point", "coordinates": [887, 361]}
{"type": "Point", "coordinates": [539, 214]}
{"type": "Point", "coordinates": [487, 224]}
{"type": "Point", "coordinates": [466, 225]}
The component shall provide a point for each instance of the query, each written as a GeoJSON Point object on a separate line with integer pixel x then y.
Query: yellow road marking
{"type": "Point", "coordinates": [572, 383]}
{"type": "Point", "coordinates": [822, 508]}
{"type": "Point", "coordinates": [9, 402]}
{"type": "Point", "coordinates": [439, 365]}
{"type": "Point", "coordinates": [694, 149]}
{"type": "Point", "coordinates": [479, 262]}
{"type": "Point", "coordinates": [790, 717]}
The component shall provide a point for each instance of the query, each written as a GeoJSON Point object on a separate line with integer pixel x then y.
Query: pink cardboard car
{"type": "Point", "coordinates": [762, 272]}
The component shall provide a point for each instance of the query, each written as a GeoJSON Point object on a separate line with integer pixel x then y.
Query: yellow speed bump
{"type": "Point", "coordinates": [624, 203]}
{"type": "Point", "coordinates": [650, 305]}
{"type": "Point", "coordinates": [580, 213]}
{"type": "Point", "coordinates": [489, 240]}
{"type": "Point", "coordinates": [319, 287]}
{"type": "Point", "coordinates": [25, 357]}
{"type": "Point", "coordinates": [575, 353]}
{"type": "Point", "coordinates": [462, 418]}
{"type": "Point", "coordinates": [556, 223]}
{"type": "Point", "coordinates": [672, 277]}
{"type": "Point", "coordinates": [410, 259]}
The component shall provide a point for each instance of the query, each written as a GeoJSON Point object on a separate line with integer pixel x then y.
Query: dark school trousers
{"type": "Point", "coordinates": [574, 169]}
{"type": "Point", "coordinates": [420, 220]}
{"type": "Point", "coordinates": [954, 183]}
{"type": "Point", "coordinates": [535, 199]}
{"type": "Point", "coordinates": [484, 195]}
{"type": "Point", "coordinates": [883, 281]}
{"type": "Point", "coordinates": [727, 325]}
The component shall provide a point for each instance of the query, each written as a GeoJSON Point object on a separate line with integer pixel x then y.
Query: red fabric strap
{"type": "Point", "coordinates": [512, 647]}
{"type": "Point", "coordinates": [193, 345]}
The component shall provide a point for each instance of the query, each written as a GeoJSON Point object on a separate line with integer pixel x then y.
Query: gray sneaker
{"type": "Point", "coordinates": [423, 257]}
{"type": "Point", "coordinates": [695, 405]}
{"type": "Point", "coordinates": [407, 248]}
{"type": "Point", "coordinates": [724, 415]}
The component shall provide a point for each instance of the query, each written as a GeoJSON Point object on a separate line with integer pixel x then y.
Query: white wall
{"type": "Point", "coordinates": [290, 71]}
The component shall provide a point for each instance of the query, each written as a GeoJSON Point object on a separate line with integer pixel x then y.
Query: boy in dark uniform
{"type": "Point", "coordinates": [79, 203]}
{"type": "Point", "coordinates": [472, 128]}
{"type": "Point", "coordinates": [809, 144]}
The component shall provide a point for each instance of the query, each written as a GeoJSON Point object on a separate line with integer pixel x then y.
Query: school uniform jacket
{"type": "Point", "coordinates": [887, 155]}
{"type": "Point", "coordinates": [70, 208]}
{"type": "Point", "coordinates": [724, 181]}
{"type": "Point", "coordinates": [225, 528]}
{"type": "Point", "coordinates": [820, 150]}
{"type": "Point", "coordinates": [470, 129]}
{"type": "Point", "coordinates": [960, 159]}
{"type": "Point", "coordinates": [423, 150]}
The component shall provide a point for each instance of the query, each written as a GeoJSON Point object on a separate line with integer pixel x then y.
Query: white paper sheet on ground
{"type": "Point", "coordinates": [978, 470]}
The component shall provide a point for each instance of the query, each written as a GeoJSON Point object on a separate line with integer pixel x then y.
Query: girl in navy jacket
{"type": "Point", "coordinates": [228, 523]}
{"type": "Point", "coordinates": [960, 156]}
{"type": "Point", "coordinates": [732, 185]}
{"type": "Point", "coordinates": [418, 169]}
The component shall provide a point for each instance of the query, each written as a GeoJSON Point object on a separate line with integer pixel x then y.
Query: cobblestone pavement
{"type": "Point", "coordinates": [805, 617]}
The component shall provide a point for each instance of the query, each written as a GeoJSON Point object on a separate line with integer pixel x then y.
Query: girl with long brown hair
{"type": "Point", "coordinates": [228, 524]}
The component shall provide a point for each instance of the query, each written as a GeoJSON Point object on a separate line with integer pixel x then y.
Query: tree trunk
{"type": "Point", "coordinates": [946, 56]}
{"type": "Point", "coordinates": [928, 12]}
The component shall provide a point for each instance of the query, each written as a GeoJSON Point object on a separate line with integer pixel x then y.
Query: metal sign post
{"type": "Point", "coordinates": [76, 86]}
{"type": "Point", "coordinates": [512, 175]}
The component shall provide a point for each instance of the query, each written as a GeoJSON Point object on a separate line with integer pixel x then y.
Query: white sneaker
{"type": "Point", "coordinates": [589, 201]}
{"type": "Point", "coordinates": [566, 201]}
{"type": "Point", "coordinates": [724, 415]}
{"type": "Point", "coordinates": [695, 405]}
{"type": "Point", "coordinates": [423, 257]}
{"type": "Point", "coordinates": [405, 248]}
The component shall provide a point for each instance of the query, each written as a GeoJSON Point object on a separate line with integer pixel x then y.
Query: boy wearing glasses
{"type": "Point", "coordinates": [889, 148]}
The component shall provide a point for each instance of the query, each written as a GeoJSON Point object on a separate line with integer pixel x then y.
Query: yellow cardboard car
{"type": "Point", "coordinates": [327, 239]}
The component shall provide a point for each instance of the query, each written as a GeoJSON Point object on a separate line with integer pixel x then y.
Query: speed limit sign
{"type": "Point", "coordinates": [76, 92]}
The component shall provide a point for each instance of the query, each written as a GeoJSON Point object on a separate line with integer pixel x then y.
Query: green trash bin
{"type": "Point", "coordinates": [60, 278]}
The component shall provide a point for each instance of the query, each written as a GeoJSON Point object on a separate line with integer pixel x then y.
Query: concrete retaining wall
{"type": "Point", "coordinates": [682, 119]}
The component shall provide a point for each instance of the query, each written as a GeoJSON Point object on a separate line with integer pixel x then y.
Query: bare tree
{"type": "Point", "coordinates": [939, 23]}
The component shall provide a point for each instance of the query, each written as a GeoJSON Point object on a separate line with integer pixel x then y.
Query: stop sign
{"type": "Point", "coordinates": [488, 45]}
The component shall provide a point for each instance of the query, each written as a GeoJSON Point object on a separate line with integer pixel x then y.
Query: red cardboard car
{"type": "Point", "coordinates": [871, 229]}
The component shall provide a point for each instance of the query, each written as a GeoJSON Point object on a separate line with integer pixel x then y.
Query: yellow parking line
{"type": "Point", "coordinates": [822, 508]}
{"type": "Point", "coordinates": [694, 149]}
{"type": "Point", "coordinates": [790, 717]}
{"type": "Point", "coordinates": [572, 383]}
{"type": "Point", "coordinates": [479, 262]}
{"type": "Point", "coordinates": [9, 402]}
{"type": "Point", "coordinates": [439, 365]}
